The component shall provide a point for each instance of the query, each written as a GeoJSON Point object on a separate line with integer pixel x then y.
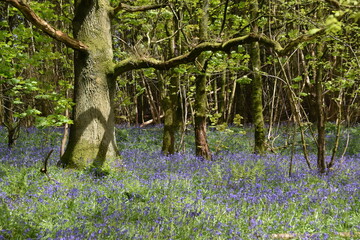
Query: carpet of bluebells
{"type": "Point", "coordinates": [238, 195]}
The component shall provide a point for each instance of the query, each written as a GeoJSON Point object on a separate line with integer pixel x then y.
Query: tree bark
{"type": "Point", "coordinates": [92, 137]}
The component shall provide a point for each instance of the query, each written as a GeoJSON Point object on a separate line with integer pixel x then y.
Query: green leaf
{"type": "Point", "coordinates": [313, 31]}
{"type": "Point", "coordinates": [297, 79]}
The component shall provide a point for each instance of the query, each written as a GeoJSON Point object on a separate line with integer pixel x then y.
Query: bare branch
{"type": "Point", "coordinates": [128, 8]}
{"type": "Point", "coordinates": [31, 16]}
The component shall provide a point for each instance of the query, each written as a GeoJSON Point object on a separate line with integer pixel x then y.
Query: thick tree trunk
{"type": "Point", "coordinates": [92, 138]}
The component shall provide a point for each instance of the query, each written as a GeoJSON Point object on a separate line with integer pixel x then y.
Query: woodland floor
{"type": "Point", "coordinates": [238, 195]}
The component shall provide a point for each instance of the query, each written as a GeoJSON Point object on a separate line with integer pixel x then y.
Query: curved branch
{"type": "Point", "coordinates": [134, 63]}
{"type": "Point", "coordinates": [138, 63]}
{"type": "Point", "coordinates": [31, 16]}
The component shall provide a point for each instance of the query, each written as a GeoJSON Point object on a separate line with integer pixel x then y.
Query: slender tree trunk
{"type": "Point", "coordinates": [338, 131]}
{"type": "Point", "coordinates": [295, 109]}
{"type": "Point", "coordinates": [92, 137]}
{"type": "Point", "coordinates": [155, 113]}
{"type": "Point", "coordinates": [257, 105]}
{"type": "Point", "coordinates": [12, 125]}
{"type": "Point", "coordinates": [222, 96]}
{"type": "Point", "coordinates": [201, 145]}
{"type": "Point", "coordinates": [66, 130]}
{"type": "Point", "coordinates": [321, 165]}
{"type": "Point", "coordinates": [231, 102]}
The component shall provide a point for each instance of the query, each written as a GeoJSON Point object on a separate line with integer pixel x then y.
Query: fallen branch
{"type": "Point", "coordinates": [295, 235]}
{"type": "Point", "coordinates": [149, 121]}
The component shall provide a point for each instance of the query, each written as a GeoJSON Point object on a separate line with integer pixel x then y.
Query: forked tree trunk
{"type": "Point", "coordinates": [92, 138]}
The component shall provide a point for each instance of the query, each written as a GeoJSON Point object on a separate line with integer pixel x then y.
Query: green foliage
{"type": "Point", "coordinates": [27, 61]}
{"type": "Point", "coordinates": [333, 24]}
{"type": "Point", "coordinates": [236, 173]}
{"type": "Point", "coordinates": [244, 80]}
{"type": "Point", "coordinates": [237, 120]}
{"type": "Point", "coordinates": [248, 171]}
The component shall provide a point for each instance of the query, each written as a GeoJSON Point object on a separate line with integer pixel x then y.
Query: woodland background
{"type": "Point", "coordinates": [316, 81]}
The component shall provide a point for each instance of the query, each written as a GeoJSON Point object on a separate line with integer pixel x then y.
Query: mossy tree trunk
{"type": "Point", "coordinates": [171, 100]}
{"type": "Point", "coordinates": [92, 138]}
{"type": "Point", "coordinates": [171, 116]}
{"type": "Point", "coordinates": [201, 144]}
{"type": "Point", "coordinates": [257, 105]}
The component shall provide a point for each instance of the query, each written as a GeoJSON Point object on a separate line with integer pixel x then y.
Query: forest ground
{"type": "Point", "coordinates": [238, 195]}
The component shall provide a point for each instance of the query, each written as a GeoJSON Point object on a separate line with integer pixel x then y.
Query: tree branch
{"type": "Point", "coordinates": [128, 8]}
{"type": "Point", "coordinates": [134, 63]}
{"type": "Point", "coordinates": [31, 16]}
